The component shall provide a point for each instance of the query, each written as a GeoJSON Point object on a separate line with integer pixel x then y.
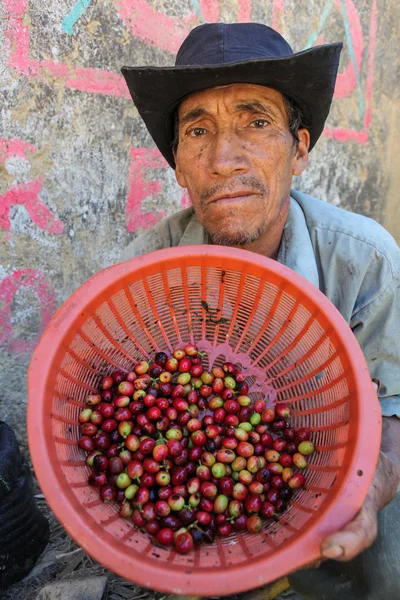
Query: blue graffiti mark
{"type": "Point", "coordinates": [314, 35]}
{"type": "Point", "coordinates": [325, 14]}
{"type": "Point", "coordinates": [353, 57]}
{"type": "Point", "coordinates": [197, 8]}
{"type": "Point", "coordinates": [76, 12]}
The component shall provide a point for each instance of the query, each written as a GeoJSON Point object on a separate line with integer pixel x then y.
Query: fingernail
{"type": "Point", "coordinates": [333, 552]}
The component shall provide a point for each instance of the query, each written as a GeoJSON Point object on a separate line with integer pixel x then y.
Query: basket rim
{"type": "Point", "coordinates": [187, 580]}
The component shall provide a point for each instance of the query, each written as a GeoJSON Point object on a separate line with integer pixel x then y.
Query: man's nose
{"type": "Point", "coordinates": [227, 154]}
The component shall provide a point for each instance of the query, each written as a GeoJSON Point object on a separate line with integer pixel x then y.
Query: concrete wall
{"type": "Point", "coordinates": [80, 175]}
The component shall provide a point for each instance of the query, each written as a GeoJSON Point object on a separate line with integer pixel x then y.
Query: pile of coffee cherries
{"type": "Point", "coordinates": [185, 451]}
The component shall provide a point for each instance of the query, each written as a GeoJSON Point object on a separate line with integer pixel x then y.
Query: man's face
{"type": "Point", "coordinates": [237, 157]}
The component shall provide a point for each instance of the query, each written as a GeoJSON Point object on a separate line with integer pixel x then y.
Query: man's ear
{"type": "Point", "coordinates": [180, 178]}
{"type": "Point", "coordinates": [300, 159]}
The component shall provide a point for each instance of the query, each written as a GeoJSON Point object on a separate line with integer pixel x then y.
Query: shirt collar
{"type": "Point", "coordinates": [194, 233]}
{"type": "Point", "coordinates": [296, 250]}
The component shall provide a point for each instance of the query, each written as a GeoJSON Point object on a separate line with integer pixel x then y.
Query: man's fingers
{"type": "Point", "coordinates": [353, 539]}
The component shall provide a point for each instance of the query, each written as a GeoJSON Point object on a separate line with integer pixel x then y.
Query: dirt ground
{"type": "Point", "coordinates": [62, 559]}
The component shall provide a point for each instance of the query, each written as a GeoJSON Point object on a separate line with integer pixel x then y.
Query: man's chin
{"type": "Point", "coordinates": [234, 238]}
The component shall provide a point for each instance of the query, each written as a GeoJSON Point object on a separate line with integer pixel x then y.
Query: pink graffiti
{"type": "Point", "coordinates": [167, 33]}
{"type": "Point", "coordinates": [157, 29]}
{"type": "Point", "coordinates": [346, 80]}
{"type": "Point", "coordinates": [95, 81]}
{"type": "Point", "coordinates": [345, 134]}
{"type": "Point", "coordinates": [278, 10]}
{"type": "Point", "coordinates": [25, 194]}
{"type": "Point", "coordinates": [34, 280]}
{"type": "Point", "coordinates": [140, 187]}
{"type": "Point", "coordinates": [138, 16]}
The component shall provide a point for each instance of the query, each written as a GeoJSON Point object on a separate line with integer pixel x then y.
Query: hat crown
{"type": "Point", "coordinates": [223, 43]}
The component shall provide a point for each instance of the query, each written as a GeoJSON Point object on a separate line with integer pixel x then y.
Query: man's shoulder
{"type": "Point", "coordinates": [330, 223]}
{"type": "Point", "coordinates": [165, 234]}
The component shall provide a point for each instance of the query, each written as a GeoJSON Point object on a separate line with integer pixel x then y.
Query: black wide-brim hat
{"type": "Point", "coordinates": [216, 54]}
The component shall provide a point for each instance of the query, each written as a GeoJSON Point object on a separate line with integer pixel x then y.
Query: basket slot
{"type": "Point", "coordinates": [216, 288]}
{"type": "Point", "coordinates": [82, 362]}
{"type": "Point", "coordinates": [70, 401]}
{"type": "Point", "coordinates": [93, 365]}
{"type": "Point", "coordinates": [282, 534]}
{"type": "Point", "coordinates": [188, 314]}
{"type": "Point", "coordinates": [293, 362]}
{"type": "Point", "coordinates": [318, 371]}
{"type": "Point", "coordinates": [303, 331]}
{"type": "Point", "coordinates": [316, 489]}
{"type": "Point", "coordinates": [301, 507]}
{"type": "Point", "coordinates": [267, 536]}
{"type": "Point", "coordinates": [100, 336]}
{"type": "Point", "coordinates": [238, 294]}
{"type": "Point", "coordinates": [252, 310]}
{"type": "Point", "coordinates": [324, 468]}
{"type": "Point", "coordinates": [142, 329]}
{"type": "Point", "coordinates": [277, 336]}
{"type": "Point", "coordinates": [272, 323]}
{"type": "Point", "coordinates": [171, 310]}
{"type": "Point", "coordinates": [63, 419]}
{"type": "Point", "coordinates": [75, 381]}
{"type": "Point", "coordinates": [221, 552]}
{"type": "Point", "coordinates": [101, 513]}
{"type": "Point", "coordinates": [155, 315]}
{"type": "Point", "coordinates": [196, 557]}
{"type": "Point", "coordinates": [72, 463]}
{"type": "Point", "coordinates": [109, 360]}
{"type": "Point", "coordinates": [128, 534]}
{"type": "Point", "coordinates": [326, 447]}
{"type": "Point", "coordinates": [65, 441]}
{"type": "Point", "coordinates": [138, 348]}
{"type": "Point", "coordinates": [304, 396]}
{"type": "Point", "coordinates": [203, 301]}
{"type": "Point", "coordinates": [110, 336]}
{"type": "Point", "coordinates": [111, 520]}
{"type": "Point", "coordinates": [243, 545]}
{"type": "Point", "coordinates": [119, 530]}
{"type": "Point", "coordinates": [264, 326]}
{"type": "Point", "coordinates": [317, 410]}
{"type": "Point", "coordinates": [65, 410]}
{"type": "Point", "coordinates": [296, 519]}
{"type": "Point", "coordinates": [135, 339]}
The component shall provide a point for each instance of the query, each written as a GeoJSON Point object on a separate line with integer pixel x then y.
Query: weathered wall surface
{"type": "Point", "coordinates": [80, 175]}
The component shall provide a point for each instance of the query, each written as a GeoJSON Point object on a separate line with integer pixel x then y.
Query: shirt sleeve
{"type": "Point", "coordinates": [165, 234]}
{"type": "Point", "coordinates": [377, 329]}
{"type": "Point", "coordinates": [156, 238]}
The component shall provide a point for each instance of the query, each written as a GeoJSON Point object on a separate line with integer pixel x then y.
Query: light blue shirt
{"type": "Point", "coordinates": [349, 257]}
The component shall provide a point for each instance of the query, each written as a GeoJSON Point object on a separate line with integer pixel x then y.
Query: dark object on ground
{"type": "Point", "coordinates": [24, 531]}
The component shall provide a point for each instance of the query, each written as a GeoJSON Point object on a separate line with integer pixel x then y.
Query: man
{"type": "Point", "coordinates": [236, 118]}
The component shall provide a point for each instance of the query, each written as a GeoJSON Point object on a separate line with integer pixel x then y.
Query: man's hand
{"type": "Point", "coordinates": [360, 533]}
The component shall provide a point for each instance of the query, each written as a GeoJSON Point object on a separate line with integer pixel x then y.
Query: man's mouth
{"type": "Point", "coordinates": [232, 197]}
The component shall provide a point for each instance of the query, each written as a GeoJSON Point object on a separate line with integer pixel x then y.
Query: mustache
{"type": "Point", "coordinates": [243, 182]}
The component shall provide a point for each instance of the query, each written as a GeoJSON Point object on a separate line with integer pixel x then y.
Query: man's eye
{"type": "Point", "coordinates": [259, 123]}
{"type": "Point", "coordinates": [197, 131]}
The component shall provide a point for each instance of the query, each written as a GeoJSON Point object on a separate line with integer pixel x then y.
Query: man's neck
{"type": "Point", "coordinates": [269, 242]}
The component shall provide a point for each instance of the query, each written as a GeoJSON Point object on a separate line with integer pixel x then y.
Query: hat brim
{"type": "Point", "coordinates": [308, 77]}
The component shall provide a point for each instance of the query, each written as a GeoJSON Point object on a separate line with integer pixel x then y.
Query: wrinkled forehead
{"type": "Point", "coordinates": [231, 95]}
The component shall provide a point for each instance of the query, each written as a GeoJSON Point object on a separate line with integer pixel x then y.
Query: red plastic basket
{"type": "Point", "coordinates": [238, 306]}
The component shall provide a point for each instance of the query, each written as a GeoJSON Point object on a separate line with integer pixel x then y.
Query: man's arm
{"type": "Point", "coordinates": [362, 531]}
